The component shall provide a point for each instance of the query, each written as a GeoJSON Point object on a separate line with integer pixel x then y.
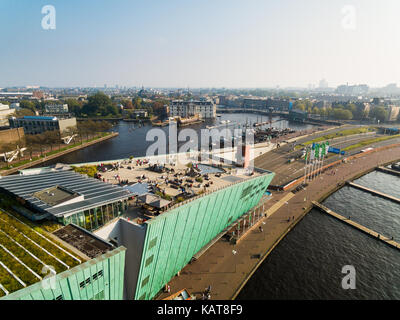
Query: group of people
{"type": "Point", "coordinates": [140, 162]}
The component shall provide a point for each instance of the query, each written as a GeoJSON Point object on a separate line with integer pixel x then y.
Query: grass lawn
{"type": "Point", "coordinates": [50, 153]}
{"type": "Point", "coordinates": [370, 141]}
{"type": "Point", "coordinates": [343, 133]}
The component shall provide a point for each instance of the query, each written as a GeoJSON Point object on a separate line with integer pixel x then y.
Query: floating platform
{"type": "Point", "coordinates": [374, 192]}
{"type": "Point", "coordinates": [389, 171]}
{"type": "Point", "coordinates": [356, 225]}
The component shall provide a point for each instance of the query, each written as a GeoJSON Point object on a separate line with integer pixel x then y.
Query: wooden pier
{"type": "Point", "coordinates": [389, 171]}
{"type": "Point", "coordinates": [374, 192]}
{"type": "Point", "coordinates": [356, 225]}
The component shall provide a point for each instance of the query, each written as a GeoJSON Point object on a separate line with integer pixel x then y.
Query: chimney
{"type": "Point", "coordinates": [243, 155]}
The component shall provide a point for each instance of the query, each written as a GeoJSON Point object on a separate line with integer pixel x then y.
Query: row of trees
{"type": "Point", "coordinates": [97, 105]}
{"type": "Point", "coordinates": [51, 140]}
{"type": "Point", "coordinates": [346, 111]}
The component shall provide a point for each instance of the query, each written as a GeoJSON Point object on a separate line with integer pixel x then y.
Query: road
{"type": "Point", "coordinates": [277, 160]}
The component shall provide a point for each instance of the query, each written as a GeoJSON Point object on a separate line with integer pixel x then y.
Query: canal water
{"type": "Point", "coordinates": [307, 263]}
{"type": "Point", "coordinates": [132, 138]}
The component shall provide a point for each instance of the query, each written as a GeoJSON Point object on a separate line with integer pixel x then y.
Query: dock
{"type": "Point", "coordinates": [374, 192]}
{"type": "Point", "coordinates": [389, 171]}
{"type": "Point", "coordinates": [356, 225]}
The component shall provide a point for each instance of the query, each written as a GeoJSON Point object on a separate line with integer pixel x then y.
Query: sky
{"type": "Point", "coordinates": [204, 43]}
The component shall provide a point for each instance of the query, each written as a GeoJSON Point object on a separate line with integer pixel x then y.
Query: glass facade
{"type": "Point", "coordinates": [95, 218]}
{"type": "Point", "coordinates": [101, 278]}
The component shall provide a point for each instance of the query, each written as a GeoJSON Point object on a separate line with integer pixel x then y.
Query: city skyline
{"type": "Point", "coordinates": [262, 44]}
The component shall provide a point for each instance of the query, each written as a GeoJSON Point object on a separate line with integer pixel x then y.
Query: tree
{"type": "Point", "coordinates": [300, 105]}
{"type": "Point", "coordinates": [51, 138]}
{"type": "Point", "coordinates": [159, 109]}
{"type": "Point", "coordinates": [99, 104]}
{"type": "Point", "coordinates": [127, 104]}
{"type": "Point", "coordinates": [341, 114]}
{"type": "Point", "coordinates": [137, 103]}
{"type": "Point", "coordinates": [23, 112]}
{"type": "Point", "coordinates": [315, 110]}
{"type": "Point", "coordinates": [74, 106]}
{"type": "Point", "coordinates": [379, 113]}
{"type": "Point", "coordinates": [351, 107]}
{"type": "Point", "coordinates": [25, 104]}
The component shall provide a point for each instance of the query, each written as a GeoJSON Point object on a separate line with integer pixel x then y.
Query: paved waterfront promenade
{"type": "Point", "coordinates": [227, 272]}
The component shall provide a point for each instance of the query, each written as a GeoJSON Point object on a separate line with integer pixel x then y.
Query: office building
{"type": "Point", "coordinates": [56, 109]}
{"type": "Point", "coordinates": [40, 124]}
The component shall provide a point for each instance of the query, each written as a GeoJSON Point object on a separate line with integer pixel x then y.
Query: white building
{"type": "Point", "coordinates": [5, 113]}
{"type": "Point", "coordinates": [206, 108]}
{"type": "Point", "coordinates": [56, 108]}
{"type": "Point", "coordinates": [393, 113]}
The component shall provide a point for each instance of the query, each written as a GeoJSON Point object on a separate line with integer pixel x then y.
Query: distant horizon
{"type": "Point", "coordinates": [199, 44]}
{"type": "Point", "coordinates": [193, 88]}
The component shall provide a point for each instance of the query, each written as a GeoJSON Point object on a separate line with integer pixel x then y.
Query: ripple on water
{"type": "Point", "coordinates": [307, 263]}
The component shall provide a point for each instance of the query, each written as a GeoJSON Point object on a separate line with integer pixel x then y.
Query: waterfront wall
{"type": "Point", "coordinates": [174, 237]}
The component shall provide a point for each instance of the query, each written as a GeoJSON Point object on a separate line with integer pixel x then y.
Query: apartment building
{"type": "Point", "coordinates": [206, 108]}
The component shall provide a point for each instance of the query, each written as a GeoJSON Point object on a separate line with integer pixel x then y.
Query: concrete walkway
{"type": "Point", "coordinates": [227, 271]}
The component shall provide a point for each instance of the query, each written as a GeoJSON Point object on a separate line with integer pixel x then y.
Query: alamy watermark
{"type": "Point", "coordinates": [49, 20]}
{"type": "Point", "coordinates": [349, 17]}
{"type": "Point", "coordinates": [213, 145]}
{"type": "Point", "coordinates": [349, 280]}
{"type": "Point", "coordinates": [50, 279]}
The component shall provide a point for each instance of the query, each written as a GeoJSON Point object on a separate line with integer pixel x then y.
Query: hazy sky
{"type": "Point", "coordinates": [204, 43]}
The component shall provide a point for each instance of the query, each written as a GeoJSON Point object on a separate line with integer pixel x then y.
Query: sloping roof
{"type": "Point", "coordinates": [159, 203]}
{"type": "Point", "coordinates": [61, 166]}
{"type": "Point", "coordinates": [95, 192]}
{"type": "Point", "coordinates": [148, 198]}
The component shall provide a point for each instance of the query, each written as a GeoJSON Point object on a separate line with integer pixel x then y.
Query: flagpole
{"type": "Point", "coordinates": [305, 167]}
{"type": "Point", "coordinates": [312, 156]}
{"type": "Point", "coordinates": [310, 165]}
{"type": "Point", "coordinates": [323, 157]}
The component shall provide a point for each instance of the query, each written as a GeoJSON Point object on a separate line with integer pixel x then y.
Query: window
{"type": "Point", "coordinates": [246, 191]}
{"type": "Point", "coordinates": [143, 296]}
{"type": "Point", "coordinates": [149, 260]}
{"type": "Point", "coordinates": [145, 281]}
{"type": "Point", "coordinates": [152, 243]}
{"type": "Point", "coordinates": [97, 275]}
{"type": "Point", "coordinates": [88, 280]}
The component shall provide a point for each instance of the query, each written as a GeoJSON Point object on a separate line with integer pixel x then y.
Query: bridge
{"type": "Point", "coordinates": [251, 110]}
